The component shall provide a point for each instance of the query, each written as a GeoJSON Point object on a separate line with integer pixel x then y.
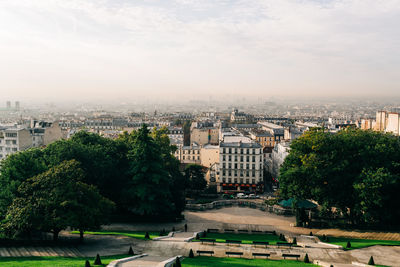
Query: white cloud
{"type": "Point", "coordinates": [254, 46]}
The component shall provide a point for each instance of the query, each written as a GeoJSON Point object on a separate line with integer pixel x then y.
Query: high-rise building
{"type": "Point", "coordinates": [17, 105]}
{"type": "Point", "coordinates": [8, 104]}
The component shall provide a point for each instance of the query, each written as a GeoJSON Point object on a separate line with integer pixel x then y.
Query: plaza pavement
{"type": "Point", "coordinates": [225, 218]}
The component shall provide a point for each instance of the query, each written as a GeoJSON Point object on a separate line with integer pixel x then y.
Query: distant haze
{"type": "Point", "coordinates": [125, 49]}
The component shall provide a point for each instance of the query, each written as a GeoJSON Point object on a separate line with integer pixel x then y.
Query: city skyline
{"type": "Point", "coordinates": [67, 50]}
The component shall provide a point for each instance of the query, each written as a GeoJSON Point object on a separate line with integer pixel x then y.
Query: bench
{"type": "Point", "coordinates": [209, 252]}
{"type": "Point", "coordinates": [256, 231]}
{"type": "Point", "coordinates": [229, 253]}
{"type": "Point", "coordinates": [209, 240]}
{"type": "Point", "coordinates": [260, 243]}
{"type": "Point", "coordinates": [270, 232]}
{"type": "Point", "coordinates": [243, 231]}
{"type": "Point", "coordinates": [256, 254]}
{"type": "Point", "coordinates": [284, 244]}
{"type": "Point", "coordinates": [229, 230]}
{"type": "Point", "coordinates": [212, 230]}
{"type": "Point", "coordinates": [233, 242]}
{"type": "Point", "coordinates": [291, 256]}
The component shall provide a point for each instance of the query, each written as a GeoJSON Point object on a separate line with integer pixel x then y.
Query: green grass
{"type": "Point", "coordinates": [246, 238]}
{"type": "Point", "coordinates": [237, 262]}
{"type": "Point", "coordinates": [133, 234]}
{"type": "Point", "coordinates": [360, 243]}
{"type": "Point", "coordinates": [54, 261]}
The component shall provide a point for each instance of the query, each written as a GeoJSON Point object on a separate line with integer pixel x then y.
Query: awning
{"type": "Point", "coordinates": [305, 204]}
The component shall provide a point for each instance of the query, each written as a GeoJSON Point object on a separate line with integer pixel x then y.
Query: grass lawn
{"type": "Point", "coordinates": [246, 238]}
{"type": "Point", "coordinates": [360, 243]}
{"type": "Point", "coordinates": [134, 234]}
{"type": "Point", "coordinates": [237, 262]}
{"type": "Point", "coordinates": [54, 261]}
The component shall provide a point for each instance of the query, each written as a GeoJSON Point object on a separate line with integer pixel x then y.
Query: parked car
{"type": "Point", "coordinates": [240, 195]}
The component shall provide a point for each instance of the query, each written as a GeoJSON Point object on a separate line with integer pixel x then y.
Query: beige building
{"type": "Point", "coordinates": [264, 138]}
{"type": "Point", "coordinates": [203, 136]}
{"type": "Point", "coordinates": [209, 155]}
{"type": "Point", "coordinates": [13, 140]}
{"type": "Point", "coordinates": [393, 123]}
{"type": "Point", "coordinates": [188, 154]}
{"type": "Point", "coordinates": [367, 124]}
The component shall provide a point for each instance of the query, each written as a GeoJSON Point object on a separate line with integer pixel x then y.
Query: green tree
{"type": "Point", "coordinates": [377, 193]}
{"type": "Point", "coordinates": [195, 175]}
{"type": "Point", "coordinates": [15, 169]}
{"type": "Point", "coordinates": [103, 161]}
{"type": "Point", "coordinates": [54, 200]}
{"type": "Point", "coordinates": [178, 182]}
{"type": "Point", "coordinates": [328, 168]}
{"type": "Point", "coordinates": [148, 191]}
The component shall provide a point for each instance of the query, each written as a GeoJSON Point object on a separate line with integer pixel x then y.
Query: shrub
{"type": "Point", "coordinates": [191, 254]}
{"type": "Point", "coordinates": [97, 261]}
{"type": "Point", "coordinates": [274, 233]}
{"type": "Point", "coordinates": [311, 234]}
{"type": "Point", "coordinates": [147, 236]}
{"type": "Point", "coordinates": [178, 262]}
{"type": "Point", "coordinates": [295, 241]}
{"type": "Point", "coordinates": [306, 259]}
{"type": "Point", "coordinates": [348, 245]}
{"type": "Point", "coordinates": [87, 263]}
{"type": "Point", "coordinates": [197, 237]}
{"type": "Point", "coordinates": [371, 261]}
{"type": "Point", "coordinates": [282, 237]}
{"type": "Point", "coordinates": [173, 229]}
{"type": "Point", "coordinates": [130, 252]}
{"type": "Point", "coordinates": [323, 238]}
{"type": "Point", "coordinates": [327, 239]}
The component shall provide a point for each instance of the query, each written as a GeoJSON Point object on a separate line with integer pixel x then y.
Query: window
{"type": "Point", "coordinates": [236, 165]}
{"type": "Point", "coordinates": [235, 180]}
{"type": "Point", "coordinates": [254, 158]}
{"type": "Point", "coordinates": [229, 158]}
{"type": "Point", "coordinates": [223, 172]}
{"type": "Point", "coordinates": [253, 174]}
{"type": "Point", "coordinates": [248, 151]}
{"type": "Point", "coordinates": [230, 150]}
{"type": "Point", "coordinates": [183, 157]}
{"type": "Point", "coordinates": [253, 166]}
{"type": "Point", "coordinates": [247, 158]}
{"type": "Point", "coordinates": [247, 174]}
{"type": "Point", "coordinates": [247, 181]}
{"type": "Point", "coordinates": [223, 151]}
{"type": "Point", "coordinates": [253, 181]}
{"type": "Point", "coordinates": [236, 173]}
{"type": "Point", "coordinates": [229, 173]}
{"type": "Point", "coordinates": [241, 151]}
{"type": "Point", "coordinates": [229, 180]}
{"type": "Point", "coordinates": [241, 165]}
{"type": "Point", "coordinates": [241, 158]}
{"type": "Point", "coordinates": [223, 166]}
{"type": "Point", "coordinates": [241, 180]}
{"type": "Point", "coordinates": [247, 166]}
{"type": "Point", "coordinates": [223, 158]}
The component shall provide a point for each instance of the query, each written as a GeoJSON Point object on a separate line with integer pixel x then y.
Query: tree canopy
{"type": "Point", "coordinates": [137, 172]}
{"type": "Point", "coordinates": [355, 171]}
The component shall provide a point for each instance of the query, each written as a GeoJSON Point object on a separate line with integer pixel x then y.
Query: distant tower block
{"type": "Point", "coordinates": [17, 105]}
{"type": "Point", "coordinates": [8, 104]}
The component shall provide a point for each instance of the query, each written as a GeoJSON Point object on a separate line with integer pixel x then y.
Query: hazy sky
{"type": "Point", "coordinates": [83, 49]}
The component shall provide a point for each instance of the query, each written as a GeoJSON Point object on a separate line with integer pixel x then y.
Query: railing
{"type": "Point", "coordinates": [240, 203]}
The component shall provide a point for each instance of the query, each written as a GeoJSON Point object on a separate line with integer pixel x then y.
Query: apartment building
{"type": "Point", "coordinates": [240, 165]}
{"type": "Point", "coordinates": [264, 138]}
{"type": "Point", "coordinates": [189, 154]}
{"type": "Point", "coordinates": [204, 135]}
{"type": "Point", "coordinates": [13, 140]}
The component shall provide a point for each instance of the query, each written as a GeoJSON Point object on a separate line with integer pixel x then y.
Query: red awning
{"type": "Point", "coordinates": [223, 184]}
{"type": "Point", "coordinates": [230, 184]}
{"type": "Point", "coordinates": [247, 185]}
{"type": "Point", "coordinates": [253, 185]}
{"type": "Point", "coordinates": [242, 185]}
{"type": "Point", "coordinates": [236, 185]}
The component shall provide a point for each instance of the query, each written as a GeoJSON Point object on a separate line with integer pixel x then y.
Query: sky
{"type": "Point", "coordinates": [126, 49]}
